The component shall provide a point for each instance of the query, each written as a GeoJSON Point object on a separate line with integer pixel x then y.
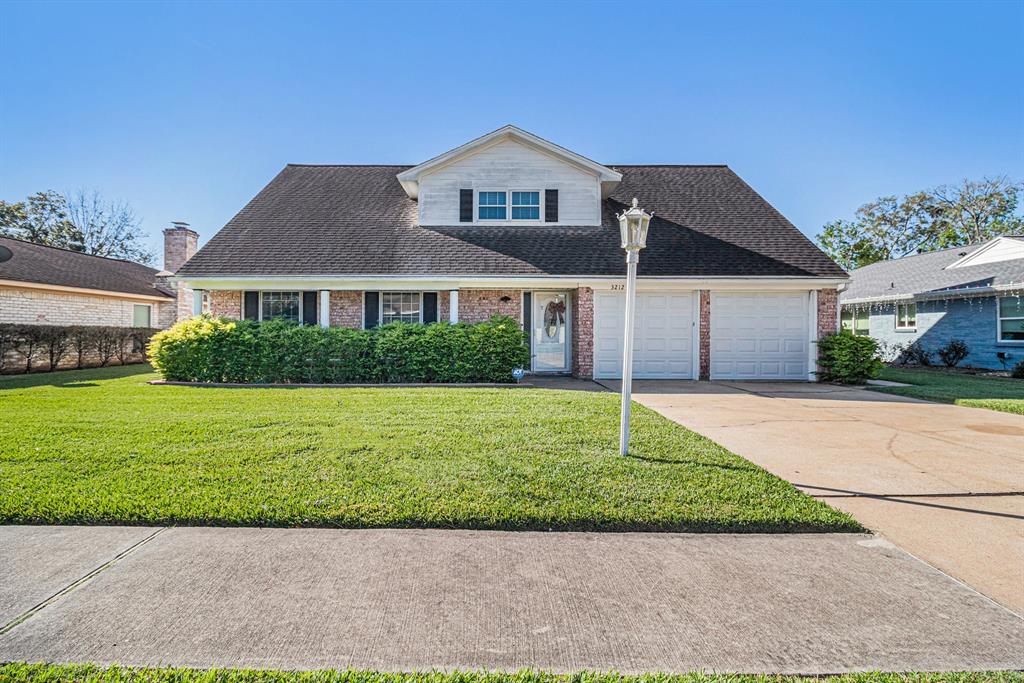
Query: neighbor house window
{"type": "Point", "coordinates": [856, 320]}
{"type": "Point", "coordinates": [1011, 319]}
{"type": "Point", "coordinates": [906, 316]}
{"type": "Point", "coordinates": [492, 206]}
{"type": "Point", "coordinates": [281, 305]}
{"type": "Point", "coordinates": [141, 315]}
{"type": "Point", "coordinates": [526, 206]}
{"type": "Point", "coordinates": [399, 307]}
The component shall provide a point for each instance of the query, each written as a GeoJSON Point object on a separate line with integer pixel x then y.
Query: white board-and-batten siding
{"type": "Point", "coordinates": [510, 166]}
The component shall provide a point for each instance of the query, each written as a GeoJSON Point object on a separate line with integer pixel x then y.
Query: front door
{"type": "Point", "coordinates": [550, 332]}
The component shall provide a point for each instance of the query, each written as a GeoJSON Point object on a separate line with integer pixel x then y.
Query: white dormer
{"type": "Point", "coordinates": [998, 250]}
{"type": "Point", "coordinates": [509, 177]}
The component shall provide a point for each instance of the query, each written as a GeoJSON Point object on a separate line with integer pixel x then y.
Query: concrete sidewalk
{"type": "Point", "coordinates": [416, 599]}
{"type": "Point", "coordinates": [943, 482]}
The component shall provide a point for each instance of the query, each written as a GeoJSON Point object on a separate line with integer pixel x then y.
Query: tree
{"type": "Point", "coordinates": [947, 216]}
{"type": "Point", "coordinates": [82, 222]}
{"type": "Point", "coordinates": [106, 228]}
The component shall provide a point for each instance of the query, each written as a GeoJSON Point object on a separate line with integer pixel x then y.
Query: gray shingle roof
{"type": "Point", "coordinates": [52, 266]}
{"type": "Point", "coordinates": [925, 275]}
{"type": "Point", "coordinates": [357, 220]}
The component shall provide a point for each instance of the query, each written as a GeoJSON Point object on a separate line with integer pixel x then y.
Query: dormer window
{"type": "Point", "coordinates": [492, 206]}
{"type": "Point", "coordinates": [526, 206]}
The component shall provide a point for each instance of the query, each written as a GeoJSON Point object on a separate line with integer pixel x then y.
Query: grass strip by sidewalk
{"type": "Point", "coordinates": [104, 447]}
{"type": "Point", "coordinates": [87, 673]}
{"type": "Point", "coordinates": [994, 393]}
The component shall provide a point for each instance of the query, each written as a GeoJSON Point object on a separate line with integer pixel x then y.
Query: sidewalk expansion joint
{"type": "Point", "coordinates": [28, 614]}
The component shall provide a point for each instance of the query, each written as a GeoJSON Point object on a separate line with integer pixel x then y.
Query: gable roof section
{"type": "Point", "coordinates": [43, 265]}
{"type": "Point", "coordinates": [357, 220]}
{"type": "Point", "coordinates": [931, 275]}
{"type": "Point", "coordinates": [409, 178]}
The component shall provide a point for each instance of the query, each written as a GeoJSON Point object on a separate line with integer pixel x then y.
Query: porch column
{"type": "Point", "coordinates": [453, 306]}
{"type": "Point", "coordinates": [325, 308]}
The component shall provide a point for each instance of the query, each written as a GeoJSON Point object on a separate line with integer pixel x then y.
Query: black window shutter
{"type": "Point", "coordinates": [251, 305]}
{"type": "Point", "coordinates": [371, 310]}
{"type": "Point", "coordinates": [528, 318]}
{"type": "Point", "coordinates": [550, 206]}
{"type": "Point", "coordinates": [309, 308]}
{"type": "Point", "coordinates": [430, 307]}
{"type": "Point", "coordinates": [465, 206]}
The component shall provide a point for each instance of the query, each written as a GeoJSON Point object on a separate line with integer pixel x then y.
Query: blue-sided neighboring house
{"type": "Point", "coordinates": [973, 293]}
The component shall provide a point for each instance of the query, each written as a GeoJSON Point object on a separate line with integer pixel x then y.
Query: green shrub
{"type": "Point", "coordinates": [847, 358]}
{"type": "Point", "coordinates": [1018, 370]}
{"type": "Point", "coordinates": [206, 349]}
{"type": "Point", "coordinates": [953, 352]}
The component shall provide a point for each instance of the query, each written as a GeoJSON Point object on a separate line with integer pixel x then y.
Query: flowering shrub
{"type": "Point", "coordinates": [206, 349]}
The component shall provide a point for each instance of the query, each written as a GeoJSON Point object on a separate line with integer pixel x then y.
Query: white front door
{"type": "Point", "coordinates": [760, 335]}
{"type": "Point", "coordinates": [664, 334]}
{"type": "Point", "coordinates": [550, 332]}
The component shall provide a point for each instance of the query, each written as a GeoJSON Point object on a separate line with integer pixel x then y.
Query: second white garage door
{"type": "Point", "coordinates": [663, 337]}
{"type": "Point", "coordinates": [759, 335]}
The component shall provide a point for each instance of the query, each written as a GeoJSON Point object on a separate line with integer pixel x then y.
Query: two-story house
{"type": "Point", "coordinates": [512, 224]}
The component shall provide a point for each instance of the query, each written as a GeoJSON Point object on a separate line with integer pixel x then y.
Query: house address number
{"type": "Point", "coordinates": [618, 288]}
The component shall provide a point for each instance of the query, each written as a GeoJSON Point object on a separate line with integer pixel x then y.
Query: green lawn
{"type": "Point", "coordinates": [88, 673]}
{"type": "Point", "coordinates": [994, 393]}
{"type": "Point", "coordinates": [102, 446]}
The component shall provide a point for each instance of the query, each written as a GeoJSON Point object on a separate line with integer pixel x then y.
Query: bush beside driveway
{"type": "Point", "coordinates": [103, 447]}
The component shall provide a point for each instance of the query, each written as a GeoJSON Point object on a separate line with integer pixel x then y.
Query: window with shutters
{"type": "Point", "coordinates": [516, 205]}
{"type": "Point", "coordinates": [285, 305]}
{"type": "Point", "coordinates": [400, 307]}
{"type": "Point", "coordinates": [526, 206]}
{"type": "Point", "coordinates": [492, 206]}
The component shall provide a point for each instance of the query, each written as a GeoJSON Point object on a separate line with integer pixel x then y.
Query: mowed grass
{"type": "Point", "coordinates": [994, 393]}
{"type": "Point", "coordinates": [88, 673]}
{"type": "Point", "coordinates": [102, 446]}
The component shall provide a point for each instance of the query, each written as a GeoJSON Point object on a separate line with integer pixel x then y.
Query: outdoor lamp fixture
{"type": "Point", "coordinates": [633, 225]}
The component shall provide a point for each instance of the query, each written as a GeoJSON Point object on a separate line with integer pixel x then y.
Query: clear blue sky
{"type": "Point", "coordinates": [186, 110]}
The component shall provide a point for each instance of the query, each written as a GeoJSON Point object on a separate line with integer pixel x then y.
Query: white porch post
{"type": "Point", "coordinates": [325, 308]}
{"type": "Point", "coordinates": [453, 306]}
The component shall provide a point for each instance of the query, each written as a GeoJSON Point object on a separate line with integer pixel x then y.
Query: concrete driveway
{"type": "Point", "coordinates": [944, 482]}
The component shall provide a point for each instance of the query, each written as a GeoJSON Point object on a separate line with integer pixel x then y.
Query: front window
{"type": "Point", "coordinates": [399, 307]}
{"type": "Point", "coordinates": [526, 206]}
{"type": "Point", "coordinates": [141, 314]}
{"type": "Point", "coordinates": [492, 206]}
{"type": "Point", "coordinates": [281, 305]}
{"type": "Point", "coordinates": [1011, 319]}
{"type": "Point", "coordinates": [906, 316]}
{"type": "Point", "coordinates": [856, 320]}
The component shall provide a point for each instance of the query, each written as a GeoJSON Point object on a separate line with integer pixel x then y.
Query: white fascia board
{"type": "Point", "coordinates": [937, 295]}
{"type": "Point", "coordinates": [428, 283]}
{"type": "Point", "coordinates": [409, 179]}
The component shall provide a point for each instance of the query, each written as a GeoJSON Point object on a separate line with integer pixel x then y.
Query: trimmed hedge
{"type": "Point", "coordinates": [847, 358]}
{"type": "Point", "coordinates": [50, 345]}
{"type": "Point", "coordinates": [207, 349]}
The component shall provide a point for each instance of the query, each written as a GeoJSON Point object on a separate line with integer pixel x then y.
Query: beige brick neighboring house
{"type": "Point", "coordinates": [42, 285]}
{"type": "Point", "coordinates": [511, 224]}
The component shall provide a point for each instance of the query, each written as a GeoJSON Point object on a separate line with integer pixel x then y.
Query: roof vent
{"type": "Point", "coordinates": [5, 254]}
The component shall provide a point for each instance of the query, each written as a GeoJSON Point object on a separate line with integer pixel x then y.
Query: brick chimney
{"type": "Point", "coordinates": [180, 244]}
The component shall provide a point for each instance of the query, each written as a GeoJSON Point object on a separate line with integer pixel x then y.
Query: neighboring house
{"type": "Point", "coordinates": [41, 285]}
{"type": "Point", "coordinates": [969, 293]}
{"type": "Point", "coordinates": [512, 224]}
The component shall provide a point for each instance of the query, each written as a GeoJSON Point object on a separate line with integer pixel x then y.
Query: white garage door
{"type": "Point", "coordinates": [663, 337]}
{"type": "Point", "coordinates": [759, 336]}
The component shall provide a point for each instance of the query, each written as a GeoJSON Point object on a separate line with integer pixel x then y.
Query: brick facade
{"type": "Point", "coordinates": [443, 306]}
{"type": "Point", "coordinates": [30, 306]}
{"type": "Point", "coordinates": [828, 312]}
{"type": "Point", "coordinates": [226, 303]}
{"type": "Point", "coordinates": [478, 305]}
{"type": "Point", "coordinates": [705, 334]}
{"type": "Point", "coordinates": [346, 309]}
{"type": "Point", "coordinates": [583, 332]}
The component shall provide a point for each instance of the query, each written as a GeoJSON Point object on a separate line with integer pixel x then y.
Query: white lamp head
{"type": "Point", "coordinates": [633, 225]}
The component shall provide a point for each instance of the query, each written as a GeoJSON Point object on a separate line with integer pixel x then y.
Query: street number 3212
{"type": "Point", "coordinates": [618, 288]}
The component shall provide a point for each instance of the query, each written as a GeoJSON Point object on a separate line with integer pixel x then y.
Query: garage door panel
{"type": "Point", "coordinates": [662, 337]}
{"type": "Point", "coordinates": [757, 335]}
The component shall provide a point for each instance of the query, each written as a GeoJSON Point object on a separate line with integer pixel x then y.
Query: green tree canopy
{"type": "Point", "coordinates": [947, 216]}
{"type": "Point", "coordinates": [82, 222]}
